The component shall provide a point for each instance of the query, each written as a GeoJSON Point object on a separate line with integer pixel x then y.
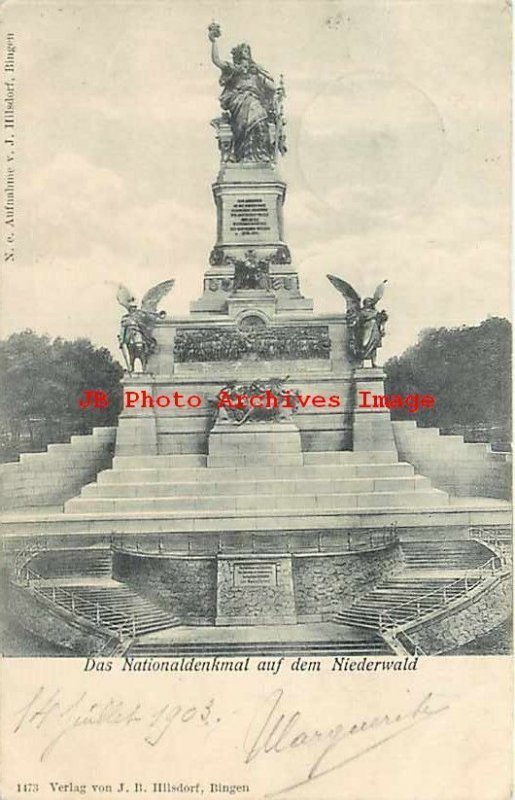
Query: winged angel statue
{"type": "Point", "coordinates": [366, 324]}
{"type": "Point", "coordinates": [136, 340]}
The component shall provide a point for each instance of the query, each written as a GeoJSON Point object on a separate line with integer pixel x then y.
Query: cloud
{"type": "Point", "coordinates": [86, 233]}
{"type": "Point", "coordinates": [432, 281]}
{"type": "Point", "coordinates": [78, 207]}
{"type": "Point", "coordinates": [78, 298]}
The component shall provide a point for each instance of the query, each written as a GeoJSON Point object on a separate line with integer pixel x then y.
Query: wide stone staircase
{"type": "Point", "coordinates": [185, 486]}
{"type": "Point", "coordinates": [78, 581]}
{"type": "Point", "coordinates": [446, 555]}
{"type": "Point", "coordinates": [438, 577]}
{"type": "Point", "coordinates": [115, 608]}
{"type": "Point", "coordinates": [84, 562]}
{"type": "Point", "coordinates": [400, 600]}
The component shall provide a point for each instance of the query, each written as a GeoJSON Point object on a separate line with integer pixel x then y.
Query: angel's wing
{"type": "Point", "coordinates": [379, 291]}
{"type": "Point", "coordinates": [155, 294]}
{"type": "Point", "coordinates": [124, 296]}
{"type": "Point", "coordinates": [351, 296]}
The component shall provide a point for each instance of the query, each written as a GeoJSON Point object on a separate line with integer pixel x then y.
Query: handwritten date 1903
{"type": "Point", "coordinates": [48, 710]}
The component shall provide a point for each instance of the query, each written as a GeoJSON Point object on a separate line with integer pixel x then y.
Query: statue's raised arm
{"type": "Point", "coordinates": [251, 102]}
{"type": "Point", "coordinates": [214, 33]}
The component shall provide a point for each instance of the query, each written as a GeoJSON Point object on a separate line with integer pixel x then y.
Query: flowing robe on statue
{"type": "Point", "coordinates": [371, 333]}
{"type": "Point", "coordinates": [248, 96]}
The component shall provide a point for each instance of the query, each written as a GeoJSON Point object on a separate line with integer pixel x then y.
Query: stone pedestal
{"type": "Point", "coordinates": [372, 430]}
{"type": "Point", "coordinates": [261, 303]}
{"type": "Point", "coordinates": [137, 427]}
{"type": "Point", "coordinates": [262, 443]}
{"type": "Point", "coordinates": [249, 198]}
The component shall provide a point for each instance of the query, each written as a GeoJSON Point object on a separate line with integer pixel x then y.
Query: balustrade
{"type": "Point", "coordinates": [352, 542]}
{"type": "Point", "coordinates": [69, 600]}
{"type": "Point", "coordinates": [400, 615]}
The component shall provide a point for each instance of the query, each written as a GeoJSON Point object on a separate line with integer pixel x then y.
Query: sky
{"type": "Point", "coordinates": [398, 156]}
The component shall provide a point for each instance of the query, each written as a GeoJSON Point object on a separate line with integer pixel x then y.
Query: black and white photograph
{"type": "Point", "coordinates": [256, 352]}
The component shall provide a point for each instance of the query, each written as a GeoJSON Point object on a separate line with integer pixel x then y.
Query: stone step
{"type": "Point", "coordinates": [113, 612]}
{"type": "Point", "coordinates": [253, 502]}
{"type": "Point", "coordinates": [230, 474]}
{"type": "Point", "coordinates": [409, 583]}
{"type": "Point", "coordinates": [235, 649]}
{"type": "Point", "coordinates": [448, 555]}
{"type": "Point", "coordinates": [177, 461]}
{"type": "Point", "coordinates": [61, 564]}
{"type": "Point", "coordinates": [57, 464]}
{"type": "Point", "coordinates": [352, 457]}
{"type": "Point", "coordinates": [355, 620]}
{"type": "Point", "coordinates": [244, 487]}
{"type": "Point", "coordinates": [418, 586]}
{"type": "Point", "coordinates": [374, 603]}
{"type": "Point", "coordinates": [403, 599]}
{"type": "Point", "coordinates": [79, 446]}
{"type": "Point", "coordinates": [252, 459]}
{"type": "Point", "coordinates": [445, 561]}
{"type": "Point", "coordinates": [194, 460]}
{"type": "Point", "coordinates": [412, 521]}
{"type": "Point", "coordinates": [141, 630]}
{"type": "Point", "coordinates": [457, 546]}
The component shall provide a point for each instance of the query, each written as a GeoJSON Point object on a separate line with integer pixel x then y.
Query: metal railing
{"type": "Point", "coordinates": [116, 645]}
{"type": "Point", "coordinates": [502, 533]}
{"type": "Point", "coordinates": [13, 544]}
{"type": "Point", "coordinates": [76, 604]}
{"type": "Point", "coordinates": [24, 557]}
{"type": "Point", "coordinates": [398, 616]}
{"type": "Point", "coordinates": [499, 542]}
{"type": "Point", "coordinates": [348, 541]}
{"type": "Point", "coordinates": [401, 642]}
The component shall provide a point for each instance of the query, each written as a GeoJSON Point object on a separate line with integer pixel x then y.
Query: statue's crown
{"type": "Point", "coordinates": [241, 50]}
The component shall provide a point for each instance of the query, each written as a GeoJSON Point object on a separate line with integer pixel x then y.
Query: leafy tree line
{"type": "Point", "coordinates": [42, 381]}
{"type": "Point", "coordinates": [467, 369]}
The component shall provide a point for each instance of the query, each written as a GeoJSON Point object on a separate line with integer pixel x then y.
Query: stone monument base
{"type": "Point", "coordinates": [265, 443]}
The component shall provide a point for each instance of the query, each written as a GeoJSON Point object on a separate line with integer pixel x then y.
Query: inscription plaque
{"type": "Point", "coordinates": [255, 573]}
{"type": "Point", "coordinates": [249, 216]}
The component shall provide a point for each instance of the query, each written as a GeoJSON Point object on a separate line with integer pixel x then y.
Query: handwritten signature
{"type": "Point", "coordinates": [275, 727]}
{"type": "Point", "coordinates": [276, 730]}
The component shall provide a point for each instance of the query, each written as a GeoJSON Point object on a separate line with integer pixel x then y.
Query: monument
{"type": "Point", "coordinates": [249, 516]}
{"type": "Point", "coordinates": [251, 321]}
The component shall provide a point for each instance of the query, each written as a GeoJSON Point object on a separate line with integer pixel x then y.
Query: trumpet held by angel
{"type": "Point", "coordinates": [366, 324]}
{"type": "Point", "coordinates": [136, 339]}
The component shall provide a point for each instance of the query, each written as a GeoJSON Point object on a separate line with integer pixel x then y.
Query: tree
{"type": "Point", "coordinates": [467, 369]}
{"type": "Point", "coordinates": [42, 383]}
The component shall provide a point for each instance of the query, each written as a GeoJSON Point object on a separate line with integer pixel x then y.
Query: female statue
{"type": "Point", "coordinates": [249, 97]}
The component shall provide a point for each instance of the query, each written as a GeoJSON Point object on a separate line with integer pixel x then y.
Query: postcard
{"type": "Point", "coordinates": [255, 426]}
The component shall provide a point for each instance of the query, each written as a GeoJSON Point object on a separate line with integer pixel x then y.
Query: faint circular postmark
{"type": "Point", "coordinates": [371, 145]}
